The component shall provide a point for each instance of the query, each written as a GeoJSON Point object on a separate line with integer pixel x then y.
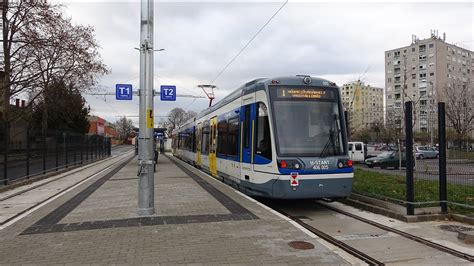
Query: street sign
{"type": "Point", "coordinates": [123, 92]}
{"type": "Point", "coordinates": [168, 93]}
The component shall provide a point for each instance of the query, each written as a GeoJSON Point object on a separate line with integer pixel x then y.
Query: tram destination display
{"type": "Point", "coordinates": [305, 93]}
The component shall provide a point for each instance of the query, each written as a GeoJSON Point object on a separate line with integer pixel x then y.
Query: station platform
{"type": "Point", "coordinates": [198, 220]}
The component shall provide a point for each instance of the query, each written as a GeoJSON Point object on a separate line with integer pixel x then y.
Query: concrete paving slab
{"type": "Point", "coordinates": [216, 225]}
{"type": "Point", "coordinates": [431, 230]}
{"type": "Point", "coordinates": [21, 199]}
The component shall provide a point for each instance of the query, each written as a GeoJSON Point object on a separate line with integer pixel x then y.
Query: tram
{"type": "Point", "coordinates": [281, 138]}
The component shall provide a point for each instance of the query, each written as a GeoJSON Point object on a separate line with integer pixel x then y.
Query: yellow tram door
{"type": "Point", "coordinates": [213, 147]}
{"type": "Point", "coordinates": [198, 145]}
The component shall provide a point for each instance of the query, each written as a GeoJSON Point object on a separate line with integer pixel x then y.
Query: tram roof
{"type": "Point", "coordinates": [251, 86]}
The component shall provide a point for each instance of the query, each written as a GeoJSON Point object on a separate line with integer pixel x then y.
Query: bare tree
{"type": "Point", "coordinates": [176, 118]}
{"type": "Point", "coordinates": [16, 17]}
{"type": "Point", "coordinates": [460, 109]}
{"type": "Point", "coordinates": [124, 128]}
{"type": "Point", "coordinates": [41, 45]}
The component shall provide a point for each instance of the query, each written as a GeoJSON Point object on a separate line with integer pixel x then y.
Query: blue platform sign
{"type": "Point", "coordinates": [123, 92]}
{"type": "Point", "coordinates": [168, 93]}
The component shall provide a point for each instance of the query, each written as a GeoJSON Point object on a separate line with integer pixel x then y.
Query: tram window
{"type": "Point", "coordinates": [205, 140]}
{"type": "Point", "coordinates": [222, 137]}
{"type": "Point", "coordinates": [247, 127]}
{"type": "Point", "coordinates": [233, 134]}
{"type": "Point", "coordinates": [263, 141]}
{"type": "Point", "coordinates": [358, 146]}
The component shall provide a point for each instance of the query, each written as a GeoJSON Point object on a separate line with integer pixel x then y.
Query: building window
{"type": "Point", "coordinates": [431, 45]}
{"type": "Point", "coordinates": [422, 48]}
{"type": "Point", "coordinates": [422, 57]}
{"type": "Point", "coordinates": [413, 85]}
{"type": "Point", "coordinates": [413, 76]}
{"type": "Point", "coordinates": [431, 65]}
{"type": "Point", "coordinates": [389, 54]}
{"type": "Point", "coordinates": [422, 75]}
{"type": "Point", "coordinates": [396, 54]}
{"type": "Point", "coordinates": [422, 67]}
{"type": "Point", "coordinates": [389, 80]}
{"type": "Point", "coordinates": [413, 49]}
{"type": "Point", "coordinates": [431, 74]}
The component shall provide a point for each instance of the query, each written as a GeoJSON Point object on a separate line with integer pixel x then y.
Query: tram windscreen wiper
{"type": "Point", "coordinates": [328, 144]}
{"type": "Point", "coordinates": [333, 135]}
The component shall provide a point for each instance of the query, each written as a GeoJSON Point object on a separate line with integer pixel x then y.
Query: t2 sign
{"type": "Point", "coordinates": [168, 93]}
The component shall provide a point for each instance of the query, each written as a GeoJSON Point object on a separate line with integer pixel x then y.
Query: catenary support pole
{"type": "Point", "coordinates": [146, 193]}
{"type": "Point", "coordinates": [409, 157]}
{"type": "Point", "coordinates": [443, 190]}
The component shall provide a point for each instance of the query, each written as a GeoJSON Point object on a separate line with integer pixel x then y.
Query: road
{"type": "Point", "coordinates": [459, 171]}
{"type": "Point", "coordinates": [17, 170]}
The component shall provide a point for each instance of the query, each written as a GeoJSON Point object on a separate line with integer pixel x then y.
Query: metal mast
{"type": "Point", "coordinates": [146, 184]}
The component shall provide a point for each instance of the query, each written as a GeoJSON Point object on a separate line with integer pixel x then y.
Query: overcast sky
{"type": "Point", "coordinates": [336, 41]}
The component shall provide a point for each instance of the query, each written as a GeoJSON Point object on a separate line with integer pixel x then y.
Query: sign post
{"type": "Point", "coordinates": [146, 182]}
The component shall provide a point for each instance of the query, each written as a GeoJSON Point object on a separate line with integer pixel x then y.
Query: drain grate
{"type": "Point", "coordinates": [455, 228]}
{"type": "Point", "coordinates": [301, 245]}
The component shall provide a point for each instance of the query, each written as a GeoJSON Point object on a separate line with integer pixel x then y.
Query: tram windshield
{"type": "Point", "coordinates": [307, 127]}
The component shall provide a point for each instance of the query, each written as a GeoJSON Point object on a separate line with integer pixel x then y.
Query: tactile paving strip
{"type": "Point", "coordinates": [49, 223]}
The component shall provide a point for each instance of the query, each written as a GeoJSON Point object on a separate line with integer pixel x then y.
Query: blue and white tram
{"type": "Point", "coordinates": [277, 138]}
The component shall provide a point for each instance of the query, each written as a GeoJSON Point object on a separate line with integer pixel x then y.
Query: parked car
{"type": "Point", "coordinates": [357, 151]}
{"type": "Point", "coordinates": [425, 152]}
{"type": "Point", "coordinates": [386, 159]}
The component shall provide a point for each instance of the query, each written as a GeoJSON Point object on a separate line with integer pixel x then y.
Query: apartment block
{"type": "Point", "coordinates": [422, 72]}
{"type": "Point", "coordinates": [363, 103]}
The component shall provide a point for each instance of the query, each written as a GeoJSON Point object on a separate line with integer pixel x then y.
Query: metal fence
{"type": "Point", "coordinates": [438, 166]}
{"type": "Point", "coordinates": [26, 152]}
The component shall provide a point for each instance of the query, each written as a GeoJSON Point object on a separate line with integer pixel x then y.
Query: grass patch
{"type": "Point", "coordinates": [460, 154]}
{"type": "Point", "coordinates": [393, 188]}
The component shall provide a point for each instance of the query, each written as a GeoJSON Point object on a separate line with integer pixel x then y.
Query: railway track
{"type": "Point", "coordinates": [418, 239]}
{"type": "Point", "coordinates": [371, 258]}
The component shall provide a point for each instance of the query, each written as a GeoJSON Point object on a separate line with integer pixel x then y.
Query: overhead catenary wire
{"type": "Point", "coordinates": [247, 44]}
